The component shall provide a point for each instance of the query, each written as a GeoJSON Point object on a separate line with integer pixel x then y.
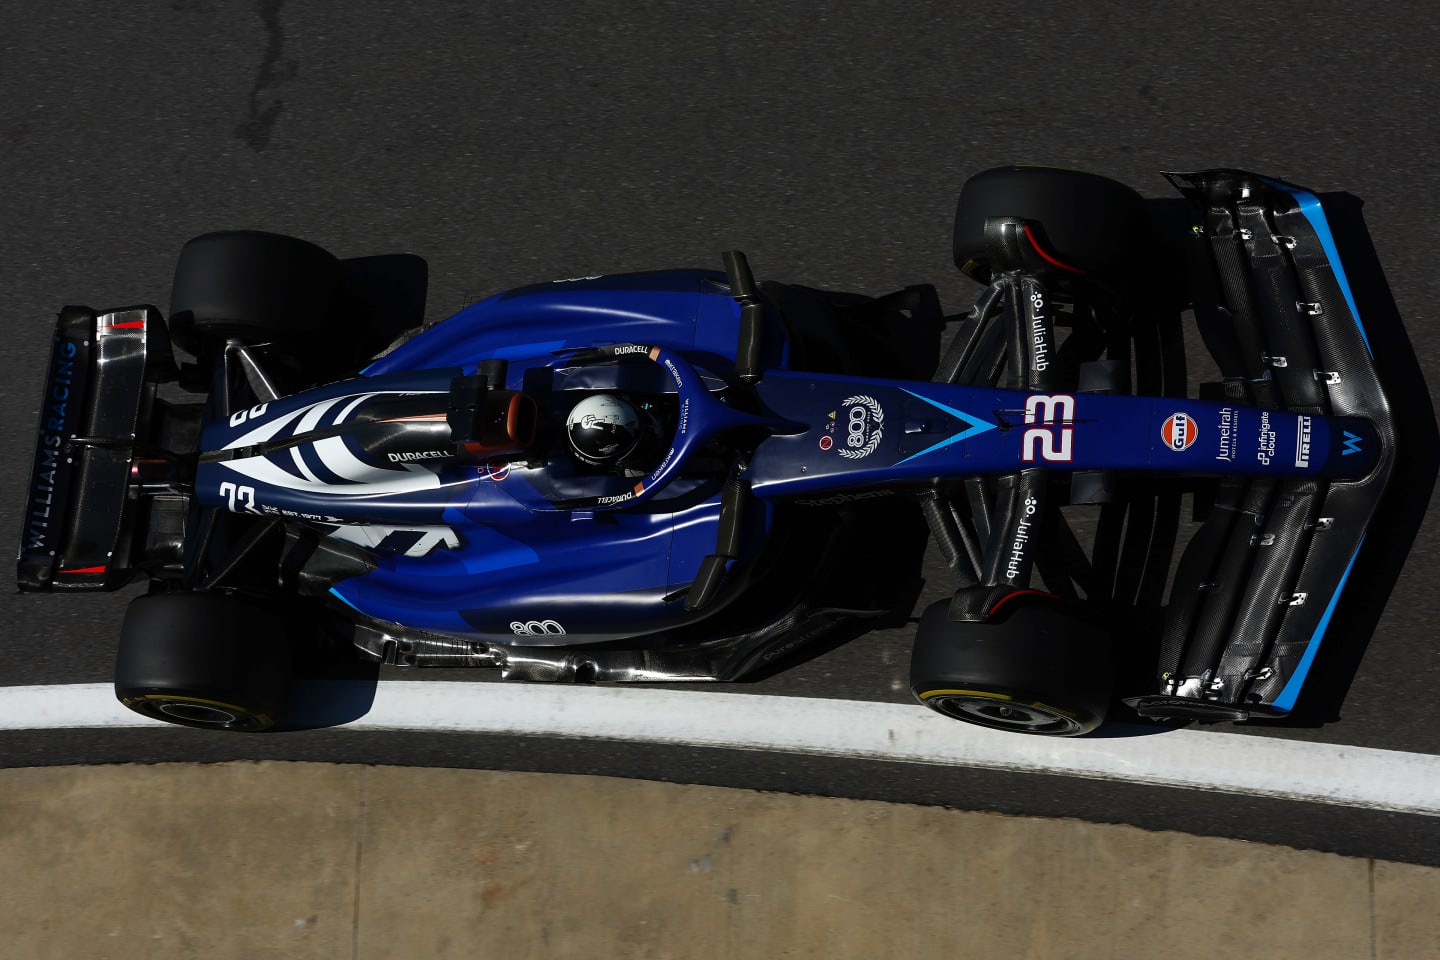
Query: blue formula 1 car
{"type": "Point", "coordinates": [689, 475]}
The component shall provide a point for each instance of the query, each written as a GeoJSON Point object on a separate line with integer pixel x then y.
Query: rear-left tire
{"type": "Point", "coordinates": [206, 660]}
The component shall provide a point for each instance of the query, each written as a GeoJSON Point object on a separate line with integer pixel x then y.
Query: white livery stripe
{"type": "Point", "coordinates": [350, 407]}
{"type": "Point", "coordinates": [265, 431]}
{"type": "Point", "coordinates": [1361, 777]}
{"type": "Point", "coordinates": [311, 420]}
{"type": "Point", "coordinates": [302, 466]}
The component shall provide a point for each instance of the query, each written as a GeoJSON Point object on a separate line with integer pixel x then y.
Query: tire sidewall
{"type": "Point", "coordinates": [184, 653]}
{"type": "Point", "coordinates": [1086, 220]}
{"type": "Point", "coordinates": [252, 286]}
{"type": "Point", "coordinates": [1039, 653]}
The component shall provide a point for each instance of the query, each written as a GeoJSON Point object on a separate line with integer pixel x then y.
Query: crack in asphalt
{"type": "Point", "coordinates": [256, 130]}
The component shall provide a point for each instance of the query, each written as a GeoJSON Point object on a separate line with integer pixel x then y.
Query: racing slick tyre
{"type": "Point", "coordinates": [1080, 223]}
{"type": "Point", "coordinates": [205, 660]}
{"type": "Point", "coordinates": [252, 286]}
{"type": "Point", "coordinates": [1036, 668]}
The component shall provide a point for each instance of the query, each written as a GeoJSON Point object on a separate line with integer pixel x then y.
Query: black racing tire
{"type": "Point", "coordinates": [252, 286]}
{"type": "Point", "coordinates": [1086, 221]}
{"type": "Point", "coordinates": [205, 660]}
{"type": "Point", "coordinates": [1038, 667]}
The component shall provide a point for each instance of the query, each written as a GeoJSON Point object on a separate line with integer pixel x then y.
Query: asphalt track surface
{"type": "Point", "coordinates": [509, 143]}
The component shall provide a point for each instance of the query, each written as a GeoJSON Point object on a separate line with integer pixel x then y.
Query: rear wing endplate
{"type": "Point", "coordinates": [77, 504]}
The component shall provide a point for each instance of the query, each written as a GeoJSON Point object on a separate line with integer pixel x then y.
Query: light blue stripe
{"type": "Point", "coordinates": [936, 446]}
{"type": "Point", "coordinates": [1310, 206]}
{"type": "Point", "coordinates": [975, 428]}
{"type": "Point", "coordinates": [1287, 697]}
{"type": "Point", "coordinates": [336, 594]}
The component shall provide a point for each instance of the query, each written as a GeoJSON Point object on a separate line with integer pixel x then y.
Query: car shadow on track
{"type": "Point", "coordinates": [387, 294]}
{"type": "Point", "coordinates": [341, 696]}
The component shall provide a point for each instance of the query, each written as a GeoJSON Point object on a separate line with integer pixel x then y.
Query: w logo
{"type": "Point", "coordinates": [1352, 444]}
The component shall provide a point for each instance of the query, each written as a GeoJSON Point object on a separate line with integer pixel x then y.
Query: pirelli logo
{"type": "Point", "coordinates": [1302, 441]}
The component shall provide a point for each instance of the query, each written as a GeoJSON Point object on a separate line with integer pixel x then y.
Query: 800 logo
{"type": "Point", "coordinates": [536, 628]}
{"type": "Point", "coordinates": [860, 426]}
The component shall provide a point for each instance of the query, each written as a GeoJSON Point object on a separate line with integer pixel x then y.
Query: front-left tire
{"type": "Point", "coordinates": [1082, 223]}
{"type": "Point", "coordinates": [208, 660]}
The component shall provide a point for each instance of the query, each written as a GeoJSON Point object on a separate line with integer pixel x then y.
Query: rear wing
{"type": "Point", "coordinates": [98, 394]}
{"type": "Point", "coordinates": [1257, 588]}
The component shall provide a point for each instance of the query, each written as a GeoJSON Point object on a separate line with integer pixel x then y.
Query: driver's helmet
{"type": "Point", "coordinates": [604, 430]}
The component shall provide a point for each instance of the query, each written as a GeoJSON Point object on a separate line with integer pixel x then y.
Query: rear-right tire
{"type": "Point", "coordinates": [252, 286]}
{"type": "Point", "coordinates": [1038, 667]}
{"type": "Point", "coordinates": [207, 660]}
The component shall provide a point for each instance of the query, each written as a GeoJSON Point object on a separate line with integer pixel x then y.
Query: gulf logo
{"type": "Point", "coordinates": [1179, 431]}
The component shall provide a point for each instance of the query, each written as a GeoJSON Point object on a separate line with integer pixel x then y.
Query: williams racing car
{"type": "Point", "coordinates": [692, 475]}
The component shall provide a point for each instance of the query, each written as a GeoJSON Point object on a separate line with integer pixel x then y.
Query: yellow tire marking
{"type": "Point", "coordinates": [168, 697]}
{"type": "Point", "coordinates": [985, 694]}
{"type": "Point", "coordinates": [991, 695]}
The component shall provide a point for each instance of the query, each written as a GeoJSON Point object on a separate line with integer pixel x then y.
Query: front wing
{"type": "Point", "coordinates": [1256, 591]}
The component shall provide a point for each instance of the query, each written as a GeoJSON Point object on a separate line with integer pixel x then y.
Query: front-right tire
{"type": "Point", "coordinates": [1037, 666]}
{"type": "Point", "coordinates": [209, 660]}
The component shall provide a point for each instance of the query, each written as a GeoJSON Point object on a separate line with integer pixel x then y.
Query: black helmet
{"type": "Point", "coordinates": [604, 429]}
